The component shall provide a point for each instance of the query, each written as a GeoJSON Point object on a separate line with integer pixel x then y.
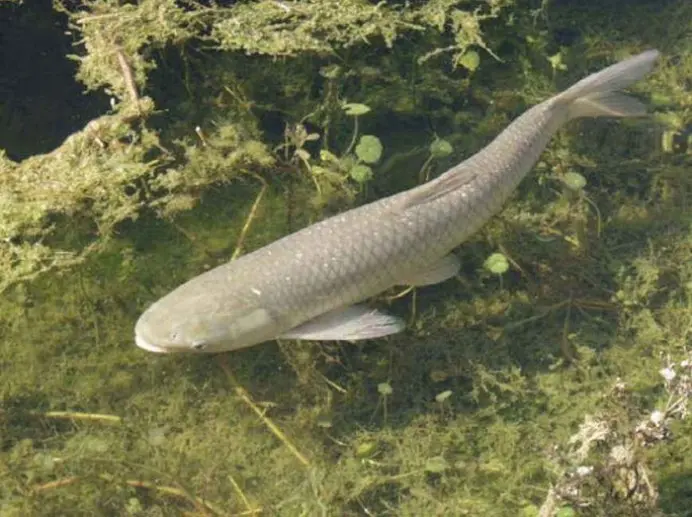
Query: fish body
{"type": "Point", "coordinates": [307, 285]}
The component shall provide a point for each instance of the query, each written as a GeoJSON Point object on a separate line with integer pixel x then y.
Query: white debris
{"type": "Point", "coordinates": [657, 417]}
{"type": "Point", "coordinates": [667, 373]}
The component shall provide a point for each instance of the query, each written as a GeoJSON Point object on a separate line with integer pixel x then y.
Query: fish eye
{"type": "Point", "coordinates": [199, 345]}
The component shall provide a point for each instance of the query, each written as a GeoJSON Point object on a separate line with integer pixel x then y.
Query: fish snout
{"type": "Point", "coordinates": [145, 345]}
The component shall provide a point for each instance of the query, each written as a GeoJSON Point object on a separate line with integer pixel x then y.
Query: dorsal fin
{"type": "Point", "coordinates": [450, 181]}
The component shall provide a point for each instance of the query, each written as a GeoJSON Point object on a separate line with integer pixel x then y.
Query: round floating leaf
{"type": "Point", "coordinates": [361, 173]}
{"type": "Point", "coordinates": [496, 263]}
{"type": "Point", "coordinates": [353, 109]}
{"type": "Point", "coordinates": [369, 148]}
{"type": "Point", "coordinates": [574, 181]}
{"type": "Point", "coordinates": [384, 389]}
{"type": "Point", "coordinates": [470, 60]}
{"type": "Point", "coordinates": [440, 148]}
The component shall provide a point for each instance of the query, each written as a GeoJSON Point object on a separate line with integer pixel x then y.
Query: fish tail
{"type": "Point", "coordinates": [597, 95]}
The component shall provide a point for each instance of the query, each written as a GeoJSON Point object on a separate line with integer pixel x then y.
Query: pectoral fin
{"type": "Point", "coordinates": [347, 324]}
{"type": "Point", "coordinates": [442, 270]}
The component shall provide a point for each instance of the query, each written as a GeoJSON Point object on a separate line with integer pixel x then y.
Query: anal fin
{"type": "Point", "coordinates": [444, 269]}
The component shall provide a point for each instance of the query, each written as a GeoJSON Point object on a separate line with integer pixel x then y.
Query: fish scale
{"type": "Point", "coordinates": [305, 285]}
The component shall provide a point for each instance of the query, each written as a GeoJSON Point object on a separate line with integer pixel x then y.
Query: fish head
{"type": "Point", "coordinates": [203, 325]}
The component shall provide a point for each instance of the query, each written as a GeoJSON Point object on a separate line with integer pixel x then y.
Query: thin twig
{"type": "Point", "coordinates": [401, 294]}
{"type": "Point", "coordinates": [97, 17]}
{"type": "Point", "coordinates": [79, 416]}
{"type": "Point", "coordinates": [200, 503]}
{"type": "Point", "coordinates": [127, 76]}
{"type": "Point", "coordinates": [245, 397]}
{"type": "Point", "coordinates": [241, 494]}
{"type": "Point", "coordinates": [250, 218]}
{"type": "Point", "coordinates": [333, 384]}
{"type": "Point", "coordinates": [56, 484]}
{"type": "Point", "coordinates": [509, 258]}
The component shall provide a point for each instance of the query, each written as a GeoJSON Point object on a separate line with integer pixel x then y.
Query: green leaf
{"type": "Point", "coordinates": [316, 170]}
{"type": "Point", "coordinates": [365, 449]}
{"type": "Point", "coordinates": [470, 60]}
{"type": "Point", "coordinates": [369, 148]}
{"type": "Point", "coordinates": [441, 397]}
{"type": "Point", "coordinates": [496, 263]}
{"type": "Point", "coordinates": [668, 141]}
{"type": "Point", "coordinates": [354, 109]}
{"type": "Point", "coordinates": [440, 148]}
{"type": "Point", "coordinates": [328, 156]}
{"type": "Point", "coordinates": [436, 465]}
{"type": "Point", "coordinates": [574, 181]}
{"type": "Point", "coordinates": [556, 62]}
{"type": "Point", "coordinates": [566, 511]}
{"type": "Point", "coordinates": [134, 506]}
{"type": "Point", "coordinates": [384, 389]}
{"type": "Point", "coordinates": [302, 154]}
{"type": "Point", "coordinates": [530, 510]}
{"type": "Point", "coordinates": [330, 71]}
{"type": "Point", "coordinates": [361, 173]}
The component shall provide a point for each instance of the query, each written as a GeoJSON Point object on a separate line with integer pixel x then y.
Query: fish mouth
{"type": "Point", "coordinates": [145, 345]}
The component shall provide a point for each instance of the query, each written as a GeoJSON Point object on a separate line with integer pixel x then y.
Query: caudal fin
{"type": "Point", "coordinates": [597, 95]}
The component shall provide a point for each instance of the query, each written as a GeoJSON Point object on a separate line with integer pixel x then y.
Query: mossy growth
{"type": "Point", "coordinates": [473, 410]}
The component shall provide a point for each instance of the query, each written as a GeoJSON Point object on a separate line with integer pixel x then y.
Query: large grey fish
{"type": "Point", "coordinates": [307, 284]}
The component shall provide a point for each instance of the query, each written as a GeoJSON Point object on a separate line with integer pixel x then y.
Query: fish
{"type": "Point", "coordinates": [310, 285]}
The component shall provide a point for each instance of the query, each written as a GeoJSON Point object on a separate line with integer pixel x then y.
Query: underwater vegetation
{"type": "Point", "coordinates": [159, 139]}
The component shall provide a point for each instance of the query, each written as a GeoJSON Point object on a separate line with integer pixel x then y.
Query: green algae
{"type": "Point", "coordinates": [570, 338]}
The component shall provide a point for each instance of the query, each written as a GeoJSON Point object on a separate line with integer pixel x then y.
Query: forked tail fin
{"type": "Point", "coordinates": [597, 95]}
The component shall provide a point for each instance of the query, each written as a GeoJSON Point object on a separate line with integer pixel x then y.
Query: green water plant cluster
{"type": "Point", "coordinates": [328, 171]}
{"type": "Point", "coordinates": [147, 154]}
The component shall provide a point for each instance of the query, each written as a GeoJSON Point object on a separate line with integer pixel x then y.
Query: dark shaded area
{"type": "Point", "coordinates": [17, 423]}
{"type": "Point", "coordinates": [41, 103]}
{"type": "Point", "coordinates": [675, 489]}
